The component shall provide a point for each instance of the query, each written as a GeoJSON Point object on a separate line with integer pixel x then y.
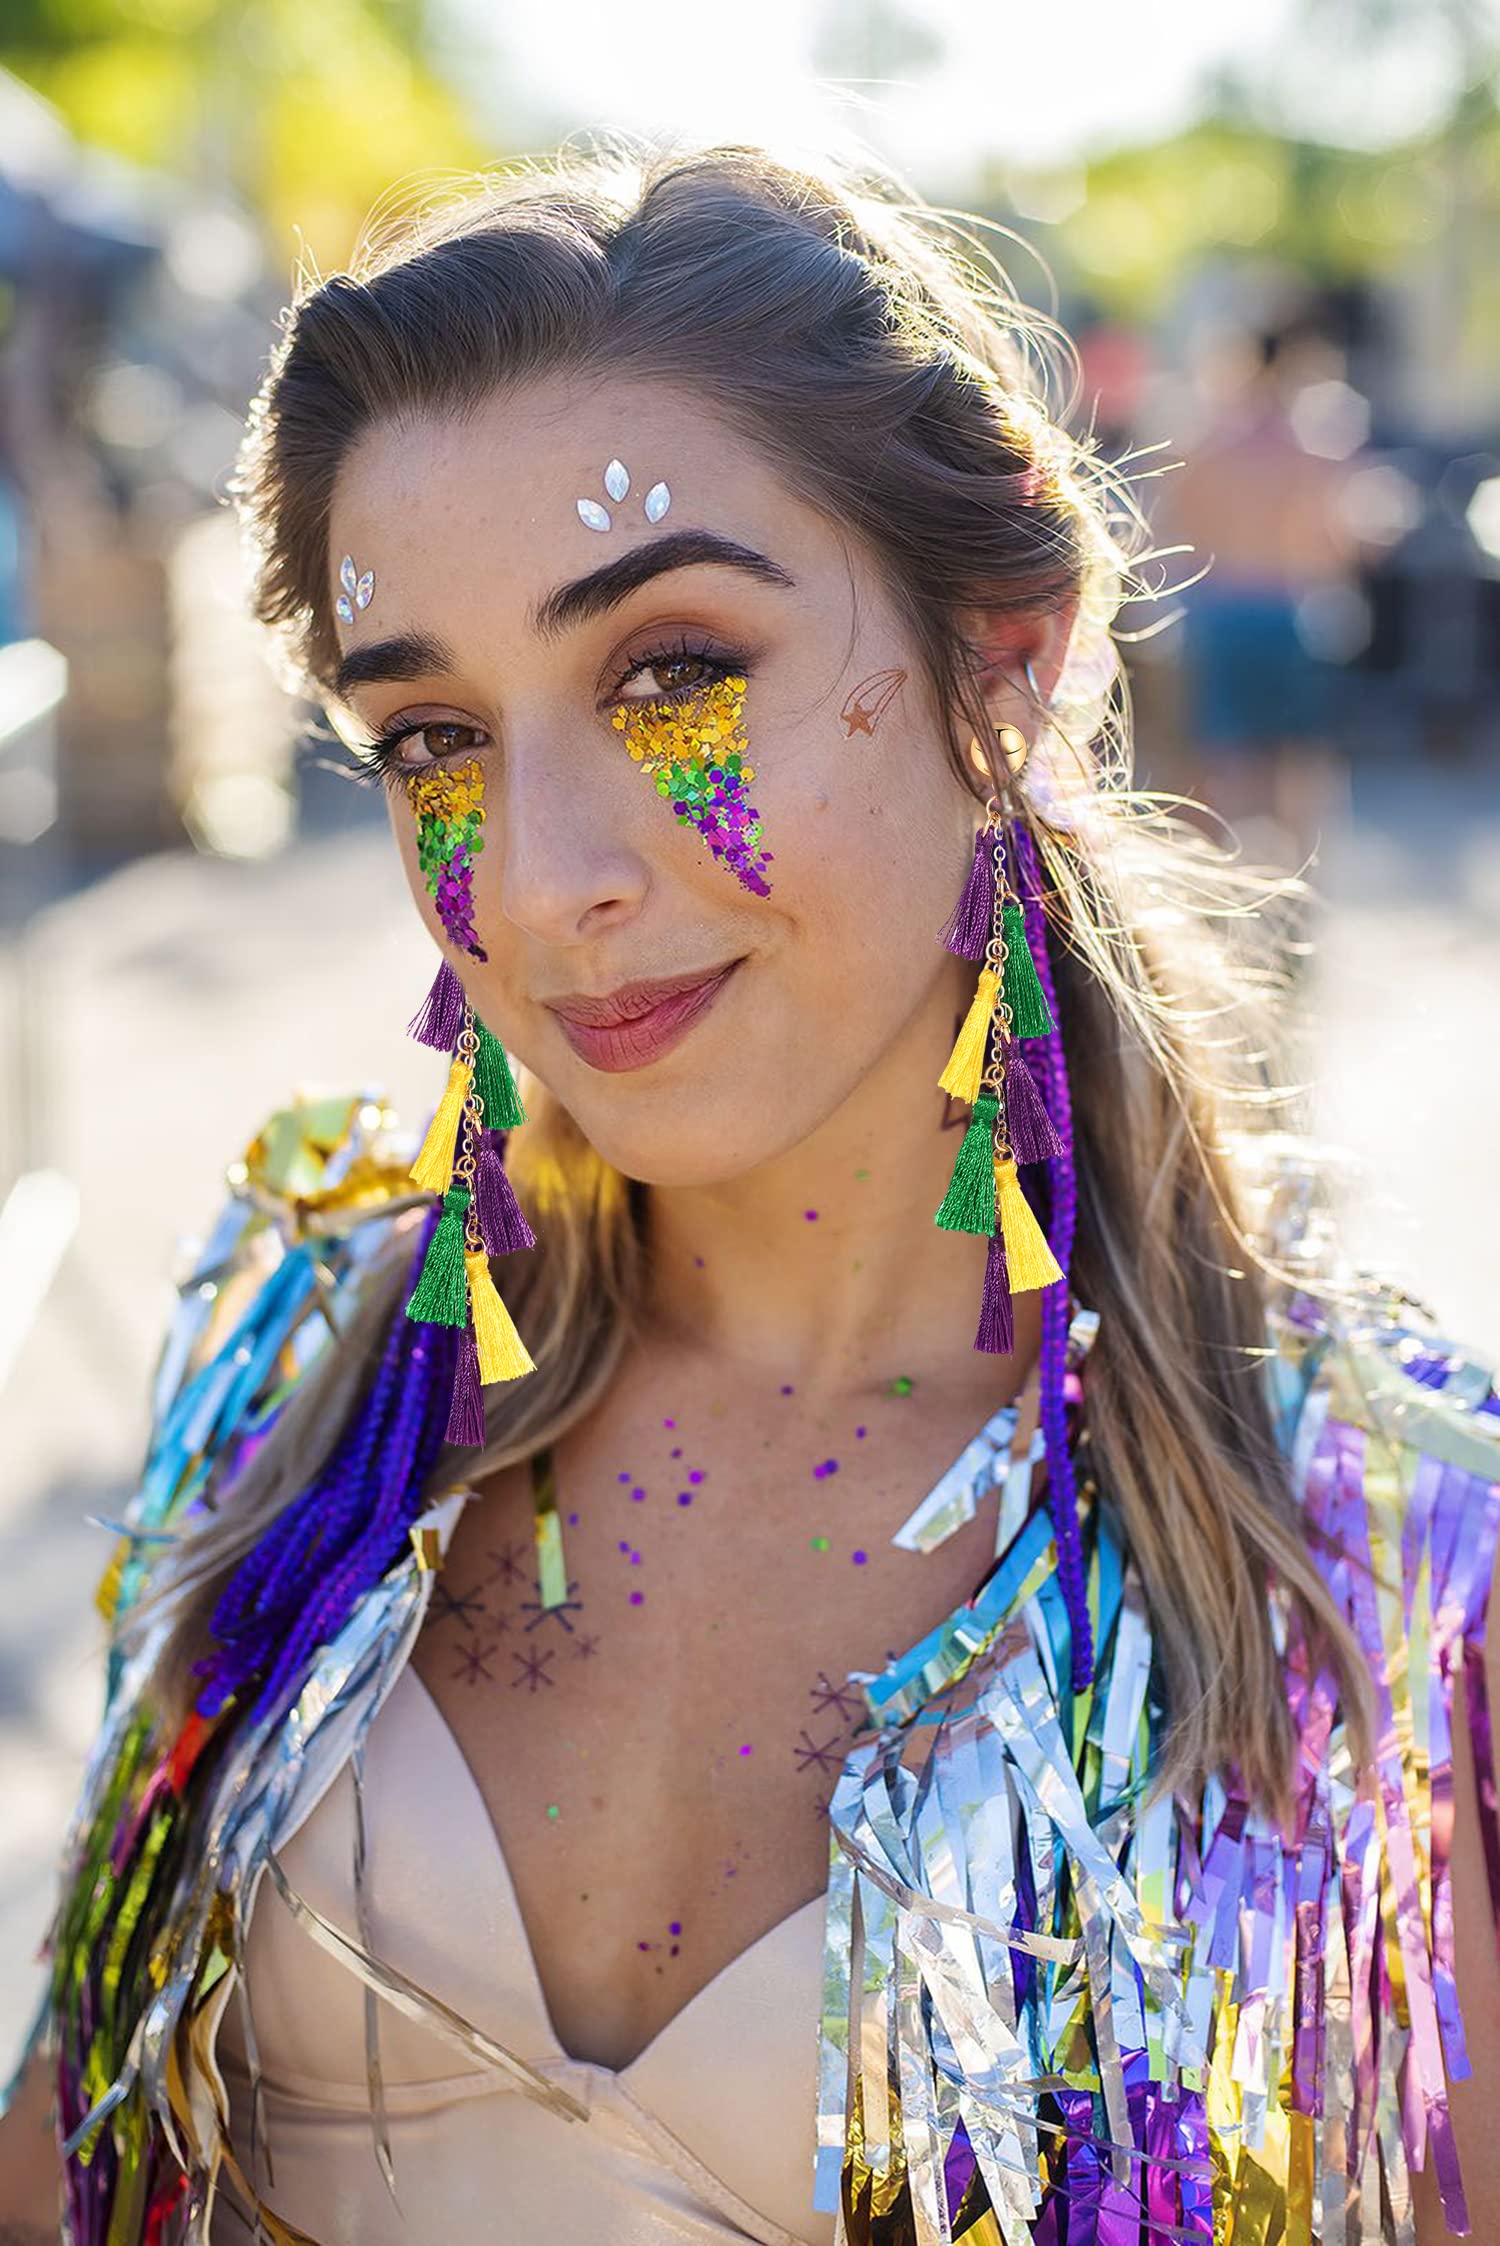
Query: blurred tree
{"type": "Point", "coordinates": [306, 114]}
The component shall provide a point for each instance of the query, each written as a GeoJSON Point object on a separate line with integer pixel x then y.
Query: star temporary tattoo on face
{"type": "Point", "coordinates": [868, 702]}
{"type": "Point", "coordinates": [810, 1756]}
{"type": "Point", "coordinates": [511, 1564]}
{"type": "Point", "coordinates": [842, 1699]}
{"type": "Point", "coordinates": [465, 1608]}
{"type": "Point", "coordinates": [474, 1663]}
{"type": "Point", "coordinates": [585, 1647]}
{"type": "Point", "coordinates": [531, 1668]}
{"type": "Point", "coordinates": [558, 1613]}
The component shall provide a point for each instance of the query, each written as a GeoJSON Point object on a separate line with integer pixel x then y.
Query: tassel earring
{"type": "Point", "coordinates": [461, 1158]}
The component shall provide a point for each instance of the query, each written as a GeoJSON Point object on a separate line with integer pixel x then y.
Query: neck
{"type": "Point", "coordinates": [823, 1266]}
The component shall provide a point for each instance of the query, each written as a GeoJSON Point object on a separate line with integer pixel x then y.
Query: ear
{"type": "Point", "coordinates": [1005, 641]}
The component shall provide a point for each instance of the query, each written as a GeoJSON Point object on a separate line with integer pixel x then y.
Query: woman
{"type": "Point", "coordinates": [658, 1692]}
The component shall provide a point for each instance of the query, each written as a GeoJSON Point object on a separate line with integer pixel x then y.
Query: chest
{"type": "Point", "coordinates": [657, 1752]}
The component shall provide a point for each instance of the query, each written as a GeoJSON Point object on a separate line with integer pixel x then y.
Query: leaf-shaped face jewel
{"type": "Point", "coordinates": [617, 479]}
{"type": "Point", "coordinates": [342, 609]}
{"type": "Point", "coordinates": [590, 512]}
{"type": "Point", "coordinates": [658, 499]}
{"type": "Point", "coordinates": [348, 575]}
{"type": "Point", "coordinates": [364, 589]}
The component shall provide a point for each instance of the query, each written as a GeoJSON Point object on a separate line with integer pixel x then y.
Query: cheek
{"type": "Point", "coordinates": [438, 817]}
{"type": "Point", "coordinates": [696, 756]}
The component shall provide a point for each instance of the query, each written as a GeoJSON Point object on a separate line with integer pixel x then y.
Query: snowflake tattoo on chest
{"type": "Point", "coordinates": [474, 1663]}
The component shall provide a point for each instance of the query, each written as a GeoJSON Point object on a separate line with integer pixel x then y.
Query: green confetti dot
{"type": "Point", "coordinates": [900, 1386]}
{"type": "Point", "coordinates": [861, 1173]}
{"type": "Point", "coordinates": [819, 1543]}
{"type": "Point", "coordinates": [551, 1809]}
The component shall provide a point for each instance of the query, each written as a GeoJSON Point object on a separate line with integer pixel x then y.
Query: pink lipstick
{"type": "Point", "coordinates": [639, 1022]}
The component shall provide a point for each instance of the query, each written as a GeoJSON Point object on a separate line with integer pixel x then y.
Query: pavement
{"type": "Point", "coordinates": [185, 996]}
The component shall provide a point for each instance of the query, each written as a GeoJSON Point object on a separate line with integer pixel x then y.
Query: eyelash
{"type": "Point", "coordinates": [382, 761]}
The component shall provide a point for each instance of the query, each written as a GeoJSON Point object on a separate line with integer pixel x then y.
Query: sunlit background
{"type": "Point", "coordinates": [1270, 231]}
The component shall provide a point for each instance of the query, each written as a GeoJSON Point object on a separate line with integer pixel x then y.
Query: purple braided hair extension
{"type": "Point", "coordinates": [332, 1542]}
{"type": "Point", "coordinates": [1062, 1487]}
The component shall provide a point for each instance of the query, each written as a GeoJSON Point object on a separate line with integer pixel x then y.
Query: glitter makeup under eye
{"type": "Point", "coordinates": [693, 753]}
{"type": "Point", "coordinates": [448, 803]}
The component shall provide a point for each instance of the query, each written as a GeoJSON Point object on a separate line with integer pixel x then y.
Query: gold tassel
{"type": "Point", "coordinates": [433, 1168]}
{"type": "Point", "coordinates": [1029, 1262]}
{"type": "Point", "coordinates": [502, 1353]}
{"type": "Point", "coordinates": [965, 1070]}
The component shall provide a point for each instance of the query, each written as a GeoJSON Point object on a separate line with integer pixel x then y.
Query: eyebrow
{"type": "Point", "coordinates": [605, 588]}
{"type": "Point", "coordinates": [411, 655]}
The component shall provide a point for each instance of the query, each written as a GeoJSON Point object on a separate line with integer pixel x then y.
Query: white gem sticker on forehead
{"type": "Point", "coordinates": [358, 588]}
{"type": "Point", "coordinates": [596, 516]}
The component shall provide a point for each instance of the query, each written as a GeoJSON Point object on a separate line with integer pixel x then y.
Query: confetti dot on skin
{"type": "Point", "coordinates": [677, 1450]}
{"type": "Point", "coordinates": [669, 1423]}
{"type": "Point", "coordinates": [747, 1749]}
{"type": "Point", "coordinates": [675, 1927]}
{"type": "Point", "coordinates": [861, 1173]}
{"type": "Point", "coordinates": [624, 1544]}
{"type": "Point", "coordinates": [635, 1561]}
{"type": "Point", "coordinates": [786, 1388]}
{"type": "Point", "coordinates": [551, 1809]}
{"type": "Point", "coordinates": [572, 1520]}
{"type": "Point", "coordinates": [859, 1558]}
{"type": "Point", "coordinates": [696, 1475]}
{"type": "Point", "coordinates": [698, 1260]}
{"type": "Point", "coordinates": [859, 1434]}
{"type": "Point", "coordinates": [829, 1466]}
{"type": "Point", "coordinates": [900, 1386]}
{"type": "Point", "coordinates": [684, 1497]}
{"type": "Point", "coordinates": [637, 1598]}
{"type": "Point", "coordinates": [638, 1495]}
{"type": "Point", "coordinates": [819, 1543]}
{"type": "Point", "coordinates": [624, 1477]}
{"type": "Point", "coordinates": [811, 1215]}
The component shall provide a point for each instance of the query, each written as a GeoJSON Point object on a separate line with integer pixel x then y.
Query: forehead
{"type": "Point", "coordinates": [435, 503]}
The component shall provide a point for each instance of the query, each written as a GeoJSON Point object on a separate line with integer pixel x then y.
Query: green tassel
{"type": "Point", "coordinates": [969, 1203]}
{"type": "Point", "coordinates": [441, 1295]}
{"type": "Point", "coordinates": [1024, 995]}
{"type": "Point", "coordinates": [494, 1083]}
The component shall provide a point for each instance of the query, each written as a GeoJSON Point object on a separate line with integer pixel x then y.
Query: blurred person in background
{"type": "Point", "coordinates": [1265, 512]}
{"type": "Point", "coordinates": [698, 1656]}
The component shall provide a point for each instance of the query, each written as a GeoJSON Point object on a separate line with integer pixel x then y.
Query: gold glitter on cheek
{"type": "Point", "coordinates": [448, 804]}
{"type": "Point", "coordinates": [693, 752]}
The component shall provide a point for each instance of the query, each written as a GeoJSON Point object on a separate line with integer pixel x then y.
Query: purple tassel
{"type": "Point", "coordinates": [1033, 1137]}
{"type": "Point", "coordinates": [502, 1220]}
{"type": "Point", "coordinates": [966, 931]}
{"type": "Point", "coordinates": [440, 1017]}
{"type": "Point", "coordinates": [466, 1412]}
{"type": "Point", "coordinates": [997, 1324]}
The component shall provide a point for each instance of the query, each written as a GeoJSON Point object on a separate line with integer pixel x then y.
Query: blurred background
{"type": "Point", "coordinates": [1270, 232]}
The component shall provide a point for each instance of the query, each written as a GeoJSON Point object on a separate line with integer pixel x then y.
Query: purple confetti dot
{"type": "Point", "coordinates": [635, 1559]}
{"type": "Point", "coordinates": [829, 1466]}
{"type": "Point", "coordinates": [859, 1431]}
{"type": "Point", "coordinates": [811, 1215]}
{"type": "Point", "coordinates": [638, 1494]}
{"type": "Point", "coordinates": [637, 1598]}
{"type": "Point", "coordinates": [624, 1477]}
{"type": "Point", "coordinates": [677, 1450]}
{"type": "Point", "coordinates": [859, 1558]}
{"type": "Point", "coordinates": [695, 1474]}
{"type": "Point", "coordinates": [746, 1749]}
{"type": "Point", "coordinates": [669, 1423]}
{"type": "Point", "coordinates": [624, 1547]}
{"type": "Point", "coordinates": [675, 1927]}
{"type": "Point", "coordinates": [643, 1945]}
{"type": "Point", "coordinates": [572, 1520]}
{"type": "Point", "coordinates": [684, 1497]}
{"type": "Point", "coordinates": [786, 1388]}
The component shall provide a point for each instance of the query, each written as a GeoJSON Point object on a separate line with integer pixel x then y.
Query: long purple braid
{"type": "Point", "coordinates": [1062, 1486]}
{"type": "Point", "coordinates": [297, 1586]}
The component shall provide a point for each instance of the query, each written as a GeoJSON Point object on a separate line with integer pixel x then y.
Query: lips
{"type": "Point", "coordinates": [607, 1036]}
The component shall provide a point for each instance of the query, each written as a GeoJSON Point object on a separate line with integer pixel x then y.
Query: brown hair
{"type": "Point", "coordinates": [880, 359]}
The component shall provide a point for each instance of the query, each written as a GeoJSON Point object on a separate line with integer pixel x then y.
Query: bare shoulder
{"type": "Point", "coordinates": [30, 2172]}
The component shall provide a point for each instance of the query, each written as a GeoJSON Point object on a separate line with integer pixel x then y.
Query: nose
{"type": "Point", "coordinates": [564, 867]}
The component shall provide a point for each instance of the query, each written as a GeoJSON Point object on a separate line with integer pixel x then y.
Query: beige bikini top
{"type": "Point", "coordinates": [706, 2136]}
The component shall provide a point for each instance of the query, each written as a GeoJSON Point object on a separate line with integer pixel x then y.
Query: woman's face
{"type": "Point", "coordinates": [574, 671]}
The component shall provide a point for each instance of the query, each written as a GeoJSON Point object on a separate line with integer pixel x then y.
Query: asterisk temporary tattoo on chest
{"type": "Point", "coordinates": [474, 1663]}
{"type": "Point", "coordinates": [810, 1756]}
{"type": "Point", "coordinates": [466, 1608]}
{"type": "Point", "coordinates": [510, 1564]}
{"type": "Point", "coordinates": [842, 1699]}
{"type": "Point", "coordinates": [531, 1668]}
{"type": "Point", "coordinates": [584, 1647]}
{"type": "Point", "coordinates": [560, 1612]}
